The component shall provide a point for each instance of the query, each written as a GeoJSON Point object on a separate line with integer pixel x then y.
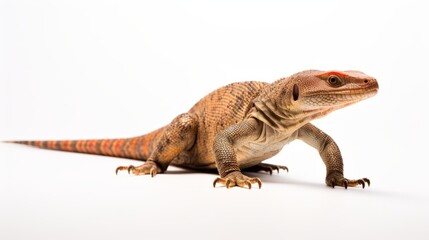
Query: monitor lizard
{"type": "Point", "coordinates": [238, 126]}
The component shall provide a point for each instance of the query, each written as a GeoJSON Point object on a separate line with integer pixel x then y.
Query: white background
{"type": "Point", "coordinates": [96, 69]}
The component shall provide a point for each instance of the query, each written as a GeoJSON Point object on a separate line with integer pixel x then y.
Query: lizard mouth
{"type": "Point", "coordinates": [348, 93]}
{"type": "Point", "coordinates": [357, 95]}
{"type": "Point", "coordinates": [338, 99]}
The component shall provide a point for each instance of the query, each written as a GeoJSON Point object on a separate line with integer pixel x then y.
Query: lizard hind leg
{"type": "Point", "coordinates": [177, 137]}
{"type": "Point", "coordinates": [266, 167]}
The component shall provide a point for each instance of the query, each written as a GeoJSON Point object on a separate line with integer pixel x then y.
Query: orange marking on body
{"type": "Point", "coordinates": [69, 145]}
{"type": "Point", "coordinates": [78, 148]}
{"type": "Point", "coordinates": [113, 147]}
{"type": "Point", "coordinates": [137, 146]}
{"type": "Point", "coordinates": [327, 74]}
{"type": "Point", "coordinates": [90, 146]}
{"type": "Point", "coordinates": [94, 146]}
{"type": "Point", "coordinates": [65, 145]}
{"type": "Point", "coordinates": [105, 147]}
{"type": "Point", "coordinates": [82, 146]}
{"type": "Point", "coordinates": [109, 147]}
{"type": "Point", "coordinates": [148, 141]}
{"type": "Point", "coordinates": [95, 142]}
{"type": "Point", "coordinates": [132, 148]}
{"type": "Point", "coordinates": [117, 146]}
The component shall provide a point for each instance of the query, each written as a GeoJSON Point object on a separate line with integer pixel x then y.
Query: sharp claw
{"type": "Point", "coordinates": [259, 182]}
{"type": "Point", "coordinates": [129, 168]}
{"type": "Point", "coordinates": [271, 171]}
{"type": "Point", "coordinates": [277, 168]}
{"type": "Point", "coordinates": [367, 181]}
{"type": "Point", "coordinates": [333, 183]}
{"type": "Point", "coordinates": [361, 182]}
{"type": "Point", "coordinates": [153, 172]}
{"type": "Point", "coordinates": [227, 183]}
{"type": "Point", "coordinates": [215, 181]}
{"type": "Point", "coordinates": [117, 170]}
{"type": "Point", "coordinates": [287, 169]}
{"type": "Point", "coordinates": [346, 184]}
{"type": "Point", "coordinates": [249, 185]}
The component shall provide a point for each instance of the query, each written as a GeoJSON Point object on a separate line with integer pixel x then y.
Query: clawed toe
{"type": "Point", "coordinates": [121, 168]}
{"type": "Point", "coordinates": [130, 168]}
{"type": "Point", "coordinates": [146, 168]}
{"type": "Point", "coordinates": [339, 180]}
{"type": "Point", "coordinates": [360, 182]}
{"type": "Point", "coordinates": [237, 179]}
{"type": "Point", "coordinates": [269, 168]}
{"type": "Point", "coordinates": [345, 183]}
{"type": "Point", "coordinates": [363, 181]}
{"type": "Point", "coordinates": [367, 181]}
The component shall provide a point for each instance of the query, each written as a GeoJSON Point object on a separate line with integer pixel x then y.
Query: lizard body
{"type": "Point", "coordinates": [240, 125]}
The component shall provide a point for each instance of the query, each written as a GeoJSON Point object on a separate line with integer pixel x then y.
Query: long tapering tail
{"type": "Point", "coordinates": [138, 148]}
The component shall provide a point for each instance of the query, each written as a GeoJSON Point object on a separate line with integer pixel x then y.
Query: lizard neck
{"type": "Point", "coordinates": [283, 119]}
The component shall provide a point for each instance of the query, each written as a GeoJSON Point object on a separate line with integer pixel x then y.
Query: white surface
{"type": "Point", "coordinates": [95, 69]}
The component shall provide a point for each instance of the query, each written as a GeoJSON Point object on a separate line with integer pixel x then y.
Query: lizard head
{"type": "Point", "coordinates": [323, 92]}
{"type": "Point", "coordinates": [293, 101]}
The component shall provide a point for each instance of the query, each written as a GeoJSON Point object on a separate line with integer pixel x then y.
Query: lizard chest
{"type": "Point", "coordinates": [266, 145]}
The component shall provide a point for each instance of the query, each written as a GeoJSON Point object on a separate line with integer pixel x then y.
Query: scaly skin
{"type": "Point", "coordinates": [238, 126]}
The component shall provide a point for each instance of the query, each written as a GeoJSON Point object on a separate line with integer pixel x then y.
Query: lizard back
{"type": "Point", "coordinates": [215, 112]}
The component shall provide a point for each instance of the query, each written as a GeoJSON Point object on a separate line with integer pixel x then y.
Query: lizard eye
{"type": "Point", "coordinates": [334, 80]}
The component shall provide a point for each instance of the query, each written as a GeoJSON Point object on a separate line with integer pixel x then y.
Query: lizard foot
{"type": "Point", "coordinates": [266, 168]}
{"type": "Point", "coordinates": [237, 179]}
{"type": "Point", "coordinates": [148, 167]}
{"type": "Point", "coordinates": [337, 179]}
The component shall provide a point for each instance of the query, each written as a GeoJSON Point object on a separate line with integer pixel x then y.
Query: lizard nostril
{"type": "Point", "coordinates": [366, 81]}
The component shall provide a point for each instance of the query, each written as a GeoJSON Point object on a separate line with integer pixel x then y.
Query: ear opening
{"type": "Point", "coordinates": [295, 92]}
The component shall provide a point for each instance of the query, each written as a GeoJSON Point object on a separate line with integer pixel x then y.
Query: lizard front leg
{"type": "Point", "coordinates": [331, 156]}
{"type": "Point", "coordinates": [226, 159]}
{"type": "Point", "coordinates": [177, 137]}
